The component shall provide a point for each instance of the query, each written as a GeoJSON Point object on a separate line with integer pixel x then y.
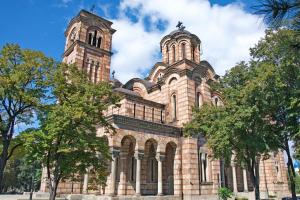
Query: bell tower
{"type": "Point", "coordinates": [88, 45]}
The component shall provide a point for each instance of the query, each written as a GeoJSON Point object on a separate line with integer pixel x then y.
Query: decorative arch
{"type": "Point", "coordinates": [73, 34]}
{"type": "Point", "coordinates": [139, 88]}
{"type": "Point", "coordinates": [126, 165]}
{"type": "Point", "coordinates": [172, 80]}
{"type": "Point", "coordinates": [216, 99]}
{"type": "Point", "coordinates": [168, 166]}
{"type": "Point", "coordinates": [157, 69]}
{"type": "Point", "coordinates": [150, 167]}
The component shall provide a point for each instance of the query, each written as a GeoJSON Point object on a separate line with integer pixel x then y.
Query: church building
{"type": "Point", "coordinates": [151, 159]}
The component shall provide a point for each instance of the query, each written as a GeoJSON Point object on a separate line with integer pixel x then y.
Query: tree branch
{"type": "Point", "coordinates": [12, 150]}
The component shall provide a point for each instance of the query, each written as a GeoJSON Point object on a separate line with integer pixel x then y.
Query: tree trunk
{"type": "Point", "coordinates": [53, 190]}
{"type": "Point", "coordinates": [3, 160]}
{"type": "Point", "coordinates": [6, 138]}
{"type": "Point", "coordinates": [291, 170]}
{"type": "Point", "coordinates": [254, 175]}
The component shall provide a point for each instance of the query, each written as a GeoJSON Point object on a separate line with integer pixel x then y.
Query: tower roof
{"type": "Point", "coordinates": [179, 33]}
{"type": "Point", "coordinates": [85, 16]}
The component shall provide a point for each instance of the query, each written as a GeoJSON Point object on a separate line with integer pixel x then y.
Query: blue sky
{"type": "Point", "coordinates": [226, 28]}
{"type": "Point", "coordinates": [40, 24]}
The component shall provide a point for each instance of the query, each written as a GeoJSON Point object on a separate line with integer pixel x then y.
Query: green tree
{"type": "Point", "coordinates": [280, 13]}
{"type": "Point", "coordinates": [280, 88]}
{"type": "Point", "coordinates": [66, 143]}
{"type": "Point", "coordinates": [261, 111]}
{"type": "Point", "coordinates": [238, 128]}
{"type": "Point", "coordinates": [23, 88]}
{"type": "Point", "coordinates": [19, 174]}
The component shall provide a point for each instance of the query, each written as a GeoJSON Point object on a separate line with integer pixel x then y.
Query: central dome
{"type": "Point", "coordinates": [180, 44]}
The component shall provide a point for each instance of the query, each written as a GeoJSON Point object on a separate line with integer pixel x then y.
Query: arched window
{"type": "Point", "coordinates": [167, 53]}
{"type": "Point", "coordinates": [192, 52]}
{"type": "Point", "coordinates": [94, 38]}
{"type": "Point", "coordinates": [199, 101]}
{"type": "Point", "coordinates": [174, 107]}
{"type": "Point", "coordinates": [144, 112]}
{"type": "Point", "coordinates": [216, 101]}
{"type": "Point", "coordinates": [203, 165]}
{"type": "Point", "coordinates": [183, 50]}
{"type": "Point", "coordinates": [90, 38]}
{"type": "Point", "coordinates": [161, 116]}
{"type": "Point", "coordinates": [73, 35]}
{"type": "Point", "coordinates": [174, 54]}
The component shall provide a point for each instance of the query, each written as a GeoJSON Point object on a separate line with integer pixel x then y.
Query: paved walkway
{"type": "Point", "coordinates": [13, 196]}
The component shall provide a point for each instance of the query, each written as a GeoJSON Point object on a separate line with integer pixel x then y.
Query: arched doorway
{"type": "Point", "coordinates": [126, 167]}
{"type": "Point", "coordinates": [168, 169]}
{"type": "Point", "coordinates": [149, 169]}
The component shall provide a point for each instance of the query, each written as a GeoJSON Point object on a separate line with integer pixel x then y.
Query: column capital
{"type": "Point", "coordinates": [115, 152]}
{"type": "Point", "coordinates": [160, 157]}
{"type": "Point", "coordinates": [139, 155]}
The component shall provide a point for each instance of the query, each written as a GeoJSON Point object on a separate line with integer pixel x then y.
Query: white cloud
{"type": "Point", "coordinates": [227, 33]}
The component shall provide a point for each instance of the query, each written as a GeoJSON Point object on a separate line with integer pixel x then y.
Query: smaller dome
{"type": "Point", "coordinates": [179, 31]}
{"type": "Point", "coordinates": [116, 83]}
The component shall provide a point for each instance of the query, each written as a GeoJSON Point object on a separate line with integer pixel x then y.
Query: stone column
{"type": "Point", "coordinates": [159, 158]}
{"type": "Point", "coordinates": [234, 177]}
{"type": "Point", "coordinates": [122, 183]}
{"type": "Point", "coordinates": [115, 154]}
{"type": "Point", "coordinates": [85, 183]}
{"type": "Point", "coordinates": [245, 180]}
{"type": "Point", "coordinates": [203, 167]}
{"type": "Point", "coordinates": [138, 156]}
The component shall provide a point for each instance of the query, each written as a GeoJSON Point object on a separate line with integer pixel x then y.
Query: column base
{"type": "Point", "coordinates": [137, 194]}
{"type": "Point", "coordinates": [160, 194]}
{"type": "Point", "coordinates": [112, 195]}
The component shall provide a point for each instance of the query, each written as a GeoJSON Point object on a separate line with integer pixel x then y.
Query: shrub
{"type": "Point", "coordinates": [224, 193]}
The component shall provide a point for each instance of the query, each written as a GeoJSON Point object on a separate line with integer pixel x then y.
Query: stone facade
{"type": "Point", "coordinates": [149, 154]}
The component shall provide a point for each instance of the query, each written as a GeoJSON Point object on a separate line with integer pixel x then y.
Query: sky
{"type": "Point", "coordinates": [227, 29]}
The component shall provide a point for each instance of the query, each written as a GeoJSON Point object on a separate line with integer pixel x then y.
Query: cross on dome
{"type": "Point", "coordinates": [180, 26]}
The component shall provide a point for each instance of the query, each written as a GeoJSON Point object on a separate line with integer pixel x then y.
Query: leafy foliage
{"type": "Point", "coordinates": [224, 193]}
{"type": "Point", "coordinates": [261, 111]}
{"type": "Point", "coordinates": [280, 13]}
{"type": "Point", "coordinates": [297, 184]}
{"type": "Point", "coordinates": [23, 90]}
{"type": "Point", "coordinates": [67, 143]}
{"type": "Point", "coordinates": [20, 175]}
